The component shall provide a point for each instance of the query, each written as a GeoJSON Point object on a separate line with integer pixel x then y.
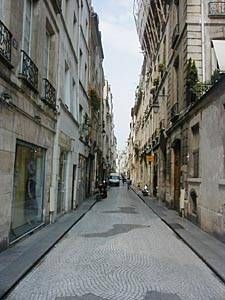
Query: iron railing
{"type": "Point", "coordinates": [217, 9]}
{"type": "Point", "coordinates": [29, 71]}
{"type": "Point", "coordinates": [49, 92]}
{"type": "Point", "coordinates": [5, 43]}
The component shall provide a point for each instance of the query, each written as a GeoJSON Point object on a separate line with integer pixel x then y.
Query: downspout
{"type": "Point", "coordinates": [203, 41]}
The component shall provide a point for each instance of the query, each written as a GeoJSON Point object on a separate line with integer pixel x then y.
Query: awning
{"type": "Point", "coordinates": [219, 47]}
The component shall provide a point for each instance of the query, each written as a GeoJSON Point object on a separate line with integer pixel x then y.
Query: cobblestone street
{"type": "Point", "coordinates": [120, 250]}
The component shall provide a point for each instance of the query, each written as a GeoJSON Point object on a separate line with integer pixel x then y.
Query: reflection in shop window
{"type": "Point", "coordinates": [27, 207]}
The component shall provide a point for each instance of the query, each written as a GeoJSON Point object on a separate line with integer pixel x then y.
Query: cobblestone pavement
{"type": "Point", "coordinates": [120, 250]}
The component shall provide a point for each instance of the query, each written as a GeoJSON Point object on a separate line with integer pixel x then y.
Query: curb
{"type": "Point", "coordinates": [6, 292]}
{"type": "Point", "coordinates": [211, 267]}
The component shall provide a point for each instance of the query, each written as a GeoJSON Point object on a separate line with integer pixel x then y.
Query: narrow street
{"type": "Point", "coordinates": [120, 250]}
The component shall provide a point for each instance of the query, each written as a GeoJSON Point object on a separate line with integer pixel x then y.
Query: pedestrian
{"type": "Point", "coordinates": [128, 183]}
{"type": "Point", "coordinates": [123, 179]}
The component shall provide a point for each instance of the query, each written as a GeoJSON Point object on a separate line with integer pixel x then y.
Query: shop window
{"type": "Point", "coordinates": [27, 207]}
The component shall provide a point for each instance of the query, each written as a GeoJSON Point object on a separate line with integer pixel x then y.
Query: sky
{"type": "Point", "coordinates": [123, 59]}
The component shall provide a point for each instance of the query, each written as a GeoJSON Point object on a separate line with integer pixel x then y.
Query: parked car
{"type": "Point", "coordinates": [114, 179]}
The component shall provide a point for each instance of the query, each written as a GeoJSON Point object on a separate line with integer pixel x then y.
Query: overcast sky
{"type": "Point", "coordinates": [123, 58]}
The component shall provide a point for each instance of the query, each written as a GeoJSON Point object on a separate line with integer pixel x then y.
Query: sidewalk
{"type": "Point", "coordinates": [16, 261]}
{"type": "Point", "coordinates": [208, 248]}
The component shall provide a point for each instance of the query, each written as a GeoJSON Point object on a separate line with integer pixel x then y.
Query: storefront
{"type": "Point", "coordinates": [28, 189]}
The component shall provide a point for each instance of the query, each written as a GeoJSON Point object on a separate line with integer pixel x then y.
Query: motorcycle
{"type": "Point", "coordinates": [145, 191]}
{"type": "Point", "coordinates": [102, 187]}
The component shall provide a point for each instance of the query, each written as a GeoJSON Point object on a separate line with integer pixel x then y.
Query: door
{"type": "Point", "coordinates": [61, 183]}
{"type": "Point", "coordinates": [177, 175]}
{"type": "Point", "coordinates": [155, 176]}
{"type": "Point", "coordinates": [73, 186]}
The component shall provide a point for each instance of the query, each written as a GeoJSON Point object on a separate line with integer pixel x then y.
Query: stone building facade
{"type": "Point", "coordinates": [45, 119]}
{"type": "Point", "coordinates": [182, 43]}
{"type": "Point", "coordinates": [27, 101]}
{"type": "Point", "coordinates": [96, 87]}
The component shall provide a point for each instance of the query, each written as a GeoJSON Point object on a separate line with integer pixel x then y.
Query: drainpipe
{"type": "Point", "coordinates": [203, 41]}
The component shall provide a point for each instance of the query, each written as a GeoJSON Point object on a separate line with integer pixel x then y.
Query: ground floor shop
{"type": "Point", "coordinates": [25, 171]}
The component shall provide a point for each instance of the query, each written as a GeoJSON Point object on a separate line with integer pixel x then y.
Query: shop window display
{"type": "Point", "coordinates": [27, 207]}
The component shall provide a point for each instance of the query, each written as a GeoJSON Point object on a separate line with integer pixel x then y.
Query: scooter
{"type": "Point", "coordinates": [103, 190]}
{"type": "Point", "coordinates": [145, 191]}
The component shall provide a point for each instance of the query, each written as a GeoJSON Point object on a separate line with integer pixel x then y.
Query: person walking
{"type": "Point", "coordinates": [128, 183]}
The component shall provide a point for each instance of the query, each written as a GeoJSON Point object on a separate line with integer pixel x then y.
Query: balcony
{"type": "Point", "coordinates": [217, 9]}
{"type": "Point", "coordinates": [174, 114]}
{"type": "Point", "coordinates": [57, 4]}
{"type": "Point", "coordinates": [29, 71]}
{"type": "Point", "coordinates": [175, 36]}
{"type": "Point", "coordinates": [5, 44]}
{"type": "Point", "coordinates": [49, 97]}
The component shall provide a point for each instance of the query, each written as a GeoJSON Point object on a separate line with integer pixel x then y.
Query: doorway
{"type": "Point", "coordinates": [61, 182]}
{"type": "Point", "coordinates": [177, 173]}
{"type": "Point", "coordinates": [155, 176]}
{"type": "Point", "coordinates": [73, 186]}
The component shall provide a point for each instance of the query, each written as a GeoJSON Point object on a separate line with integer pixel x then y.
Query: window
{"type": "Point", "coordinates": [27, 206]}
{"type": "Point", "coordinates": [176, 79]}
{"type": "Point", "coordinates": [218, 59]}
{"type": "Point", "coordinates": [67, 87]}
{"type": "Point", "coordinates": [74, 100]}
{"type": "Point", "coordinates": [46, 54]}
{"type": "Point", "coordinates": [85, 75]}
{"type": "Point", "coordinates": [195, 150]}
{"type": "Point", "coordinates": [1, 9]}
{"type": "Point", "coordinates": [80, 114]}
{"type": "Point", "coordinates": [27, 26]}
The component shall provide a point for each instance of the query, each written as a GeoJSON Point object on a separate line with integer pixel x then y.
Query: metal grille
{"type": "Point", "coordinates": [49, 94]}
{"type": "Point", "coordinates": [29, 70]}
{"type": "Point", "coordinates": [217, 9]}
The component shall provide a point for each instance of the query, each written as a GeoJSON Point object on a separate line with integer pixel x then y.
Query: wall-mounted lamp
{"type": "Point", "coordinates": [5, 98]}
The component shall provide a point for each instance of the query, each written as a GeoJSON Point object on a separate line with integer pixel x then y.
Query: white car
{"type": "Point", "coordinates": [114, 179]}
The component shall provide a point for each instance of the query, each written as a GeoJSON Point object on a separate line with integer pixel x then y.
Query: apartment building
{"type": "Point", "coordinates": [109, 140]}
{"type": "Point", "coordinates": [182, 43]}
{"type": "Point", "coordinates": [45, 115]}
{"type": "Point", "coordinates": [96, 87]}
{"type": "Point", "coordinates": [28, 93]}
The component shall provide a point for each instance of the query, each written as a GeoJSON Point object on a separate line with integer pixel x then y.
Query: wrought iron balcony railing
{"type": "Point", "coordinates": [49, 94]}
{"type": "Point", "coordinates": [217, 9]}
{"type": "Point", "coordinates": [29, 71]}
{"type": "Point", "coordinates": [175, 36]}
{"type": "Point", "coordinates": [5, 43]}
